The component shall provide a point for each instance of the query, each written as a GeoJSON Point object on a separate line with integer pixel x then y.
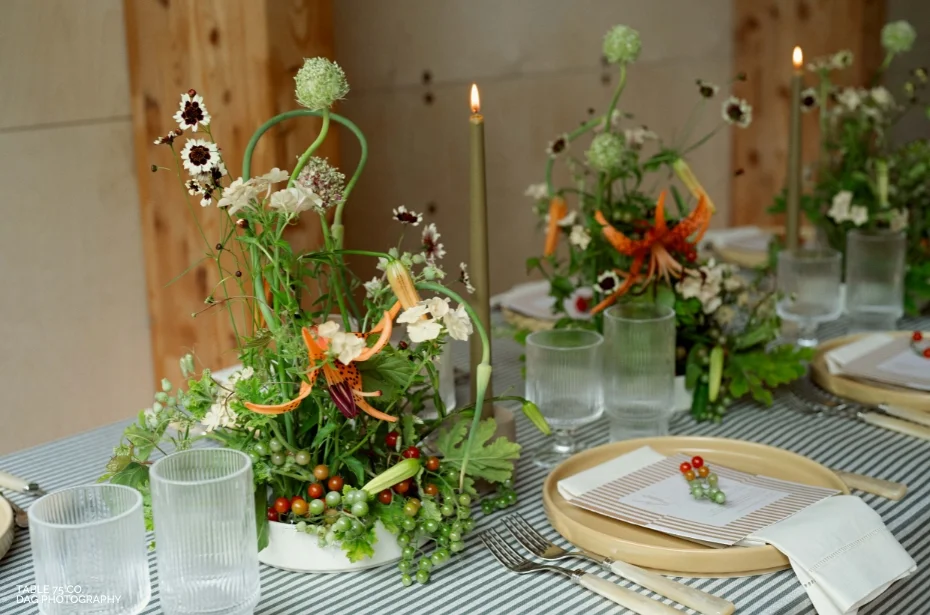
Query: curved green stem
{"type": "Point", "coordinates": [302, 161]}
{"type": "Point", "coordinates": [483, 373]}
{"type": "Point", "coordinates": [616, 98]}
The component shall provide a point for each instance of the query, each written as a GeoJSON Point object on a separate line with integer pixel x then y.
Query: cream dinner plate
{"type": "Point", "coordinates": [665, 553]}
{"type": "Point", "coordinates": [7, 528]}
{"type": "Point", "coordinates": [862, 391]}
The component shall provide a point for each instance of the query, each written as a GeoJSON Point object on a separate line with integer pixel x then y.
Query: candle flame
{"type": "Point", "coordinates": [475, 100]}
{"type": "Point", "coordinates": [797, 57]}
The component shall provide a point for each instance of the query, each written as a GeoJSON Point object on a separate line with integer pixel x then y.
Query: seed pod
{"type": "Point", "coordinates": [716, 373]}
{"type": "Point", "coordinates": [402, 284]}
{"type": "Point", "coordinates": [403, 470]}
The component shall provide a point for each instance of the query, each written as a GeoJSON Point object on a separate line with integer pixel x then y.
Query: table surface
{"type": "Point", "coordinates": [474, 583]}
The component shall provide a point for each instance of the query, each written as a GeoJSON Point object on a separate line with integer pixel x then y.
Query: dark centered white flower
{"type": "Point", "coordinates": [200, 157]}
{"type": "Point", "coordinates": [808, 99]}
{"type": "Point", "coordinates": [407, 217]}
{"type": "Point", "coordinates": [432, 249]}
{"type": "Point", "coordinates": [737, 111]}
{"type": "Point", "coordinates": [607, 282]}
{"type": "Point", "coordinates": [192, 113]}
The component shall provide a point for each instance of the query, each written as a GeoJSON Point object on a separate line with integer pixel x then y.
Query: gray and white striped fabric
{"type": "Point", "coordinates": [474, 583]}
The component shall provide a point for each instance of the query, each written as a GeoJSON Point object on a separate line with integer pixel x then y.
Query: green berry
{"type": "Point", "coordinates": [261, 448]}
{"type": "Point", "coordinates": [408, 552]}
{"type": "Point", "coordinates": [487, 507]}
{"type": "Point", "coordinates": [357, 526]}
{"type": "Point", "coordinates": [463, 513]}
{"type": "Point", "coordinates": [464, 499]}
{"type": "Point", "coordinates": [275, 445]}
{"type": "Point", "coordinates": [407, 580]}
{"type": "Point", "coordinates": [316, 506]}
{"type": "Point", "coordinates": [502, 503]}
{"type": "Point", "coordinates": [430, 525]}
{"type": "Point", "coordinates": [302, 458]}
{"type": "Point", "coordinates": [403, 539]}
{"type": "Point", "coordinates": [436, 558]}
{"type": "Point", "coordinates": [468, 525]}
{"type": "Point", "coordinates": [712, 479]}
{"type": "Point", "coordinates": [508, 483]}
{"type": "Point", "coordinates": [342, 524]}
{"type": "Point", "coordinates": [405, 565]}
{"type": "Point", "coordinates": [447, 510]}
{"type": "Point", "coordinates": [719, 497]}
{"type": "Point", "coordinates": [333, 498]}
{"type": "Point", "coordinates": [255, 457]}
{"type": "Point", "coordinates": [301, 526]}
{"type": "Point", "coordinates": [457, 546]}
{"type": "Point", "coordinates": [409, 524]}
{"type": "Point", "coordinates": [426, 564]}
{"type": "Point", "coordinates": [422, 577]}
{"type": "Point", "coordinates": [445, 530]}
{"type": "Point", "coordinates": [360, 509]}
{"type": "Point", "coordinates": [455, 536]}
{"type": "Point", "coordinates": [278, 459]}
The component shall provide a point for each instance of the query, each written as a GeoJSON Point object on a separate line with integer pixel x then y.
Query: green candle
{"type": "Point", "coordinates": [793, 198]}
{"type": "Point", "coordinates": [479, 238]}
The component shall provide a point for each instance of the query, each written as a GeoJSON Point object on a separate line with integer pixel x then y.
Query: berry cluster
{"type": "Point", "coordinates": [923, 350]}
{"type": "Point", "coordinates": [703, 482]}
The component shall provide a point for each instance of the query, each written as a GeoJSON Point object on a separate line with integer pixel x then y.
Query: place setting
{"type": "Point", "coordinates": [679, 407]}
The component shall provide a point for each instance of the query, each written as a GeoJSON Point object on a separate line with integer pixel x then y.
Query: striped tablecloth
{"type": "Point", "coordinates": [475, 584]}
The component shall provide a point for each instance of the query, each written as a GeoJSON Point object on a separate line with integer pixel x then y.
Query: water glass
{"type": "Point", "coordinates": [875, 278]}
{"type": "Point", "coordinates": [639, 369]}
{"type": "Point", "coordinates": [563, 378]}
{"type": "Point", "coordinates": [809, 289]}
{"type": "Point", "coordinates": [89, 551]}
{"type": "Point", "coordinates": [204, 511]}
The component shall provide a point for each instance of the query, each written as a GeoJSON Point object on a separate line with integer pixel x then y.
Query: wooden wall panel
{"type": "Point", "coordinates": [765, 32]}
{"type": "Point", "coordinates": [241, 55]}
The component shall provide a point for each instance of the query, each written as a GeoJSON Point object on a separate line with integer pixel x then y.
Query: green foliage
{"type": "Point", "coordinates": [390, 515]}
{"type": "Point", "coordinates": [361, 545]}
{"type": "Point", "coordinates": [491, 461]}
{"type": "Point", "coordinates": [759, 371]}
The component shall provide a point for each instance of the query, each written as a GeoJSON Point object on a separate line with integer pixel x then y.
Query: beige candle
{"type": "Point", "coordinates": [478, 255]}
{"type": "Point", "coordinates": [793, 197]}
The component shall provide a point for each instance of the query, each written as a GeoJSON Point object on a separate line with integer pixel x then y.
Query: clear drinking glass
{"type": "Point", "coordinates": [875, 278]}
{"type": "Point", "coordinates": [204, 511]}
{"type": "Point", "coordinates": [809, 285]}
{"type": "Point", "coordinates": [639, 369]}
{"type": "Point", "coordinates": [89, 551]}
{"type": "Point", "coordinates": [563, 378]}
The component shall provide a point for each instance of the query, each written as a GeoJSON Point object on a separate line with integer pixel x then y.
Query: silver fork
{"type": "Point", "coordinates": [698, 600]}
{"type": "Point", "coordinates": [510, 559]}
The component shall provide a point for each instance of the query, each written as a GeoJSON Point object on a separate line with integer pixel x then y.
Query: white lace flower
{"type": "Point", "coordinates": [433, 272]}
{"type": "Point", "coordinates": [295, 199]}
{"type": "Point", "coordinates": [200, 156]}
{"type": "Point", "coordinates": [219, 415]}
{"type": "Point", "coordinates": [839, 208]}
{"type": "Point", "coordinates": [373, 287]}
{"type": "Point", "coordinates": [882, 97]}
{"type": "Point", "coordinates": [458, 324]}
{"type": "Point", "coordinates": [151, 418]}
{"type": "Point", "coordinates": [578, 305]}
{"type": "Point", "coordinates": [579, 237]}
{"type": "Point", "coordinates": [319, 83]}
{"type": "Point", "coordinates": [345, 346]}
{"type": "Point", "coordinates": [841, 59]}
{"type": "Point", "coordinates": [850, 98]}
{"type": "Point", "coordinates": [899, 219]}
{"type": "Point", "coordinates": [858, 215]}
{"type": "Point", "coordinates": [537, 191]}
{"type": "Point", "coordinates": [192, 112]}
{"type": "Point", "coordinates": [637, 137]}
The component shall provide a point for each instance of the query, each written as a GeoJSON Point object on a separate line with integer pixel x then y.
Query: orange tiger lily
{"type": "Point", "coordinates": [345, 381]}
{"type": "Point", "coordinates": [557, 210]}
{"type": "Point", "coordinates": [658, 245]}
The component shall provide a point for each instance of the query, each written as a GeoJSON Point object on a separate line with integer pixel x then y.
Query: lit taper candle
{"type": "Point", "coordinates": [478, 255]}
{"type": "Point", "coordinates": [793, 199]}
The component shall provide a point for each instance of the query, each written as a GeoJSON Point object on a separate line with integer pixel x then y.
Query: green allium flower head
{"type": "Point", "coordinates": [606, 152]}
{"type": "Point", "coordinates": [320, 83]}
{"type": "Point", "coordinates": [622, 45]}
{"type": "Point", "coordinates": [898, 36]}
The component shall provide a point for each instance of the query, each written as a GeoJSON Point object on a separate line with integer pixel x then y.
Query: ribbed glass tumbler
{"type": "Point", "coordinates": [639, 369]}
{"type": "Point", "coordinates": [89, 551]}
{"type": "Point", "coordinates": [875, 279]}
{"type": "Point", "coordinates": [563, 378]}
{"type": "Point", "coordinates": [206, 546]}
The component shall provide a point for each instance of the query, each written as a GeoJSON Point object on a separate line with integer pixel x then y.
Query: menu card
{"type": "Point", "coordinates": [657, 496]}
{"type": "Point", "coordinates": [881, 358]}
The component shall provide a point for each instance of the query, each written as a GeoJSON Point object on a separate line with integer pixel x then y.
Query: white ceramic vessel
{"type": "Point", "coordinates": [296, 551]}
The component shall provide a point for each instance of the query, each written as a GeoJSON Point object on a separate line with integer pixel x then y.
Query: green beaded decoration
{"type": "Point", "coordinates": [702, 482]}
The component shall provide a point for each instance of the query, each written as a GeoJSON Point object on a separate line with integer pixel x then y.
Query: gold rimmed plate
{"type": "Point", "coordinates": [864, 391]}
{"type": "Point", "coordinates": [665, 553]}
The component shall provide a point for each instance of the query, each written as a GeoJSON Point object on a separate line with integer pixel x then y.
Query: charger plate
{"type": "Point", "coordinates": [7, 528]}
{"type": "Point", "coordinates": [862, 391]}
{"type": "Point", "coordinates": [662, 552]}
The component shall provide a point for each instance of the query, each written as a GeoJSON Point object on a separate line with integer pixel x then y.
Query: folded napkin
{"type": "Point", "coordinates": [839, 548]}
{"type": "Point", "coordinates": [882, 358]}
{"type": "Point", "coordinates": [738, 234]}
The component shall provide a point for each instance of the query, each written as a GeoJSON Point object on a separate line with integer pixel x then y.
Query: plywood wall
{"type": "Point", "coordinates": [410, 64]}
{"type": "Point", "coordinates": [73, 319]}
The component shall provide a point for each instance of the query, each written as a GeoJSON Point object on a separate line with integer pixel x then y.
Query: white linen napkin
{"type": "Point", "coordinates": [839, 548]}
{"type": "Point", "coordinates": [843, 355]}
{"type": "Point", "coordinates": [881, 358]}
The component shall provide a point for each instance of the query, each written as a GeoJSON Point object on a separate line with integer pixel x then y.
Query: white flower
{"type": "Point", "coordinates": [419, 329]}
{"type": "Point", "coordinates": [432, 249]}
{"type": "Point", "coordinates": [200, 156]}
{"type": "Point", "coordinates": [373, 286]}
{"type": "Point", "coordinates": [465, 279]}
{"type": "Point", "coordinates": [858, 215]}
{"type": "Point", "coordinates": [704, 284]}
{"type": "Point", "coordinates": [841, 59]}
{"type": "Point", "coordinates": [898, 221]}
{"type": "Point", "coordinates": [567, 220]}
{"type": "Point", "coordinates": [808, 100]}
{"type": "Point", "coordinates": [192, 112]}
{"type": "Point", "coordinates": [898, 36]}
{"type": "Point", "coordinates": [345, 346]}
{"type": "Point", "coordinates": [737, 111]}
{"type": "Point", "coordinates": [882, 97]}
{"type": "Point", "coordinates": [579, 237]}
{"type": "Point", "coordinates": [578, 304]}
{"type": "Point", "coordinates": [839, 208]}
{"type": "Point", "coordinates": [407, 217]}
{"type": "Point", "coordinates": [436, 306]}
{"type": "Point", "coordinates": [707, 89]}
{"type": "Point", "coordinates": [412, 314]}
{"type": "Point", "coordinates": [295, 199]}
{"type": "Point", "coordinates": [220, 415]}
{"type": "Point", "coordinates": [238, 195]}
{"type": "Point", "coordinates": [849, 98]}
{"type": "Point", "coordinates": [712, 303]}
{"type": "Point", "coordinates": [607, 282]}
{"type": "Point", "coordinates": [242, 374]}
{"type": "Point", "coordinates": [537, 191]}
{"type": "Point", "coordinates": [169, 138]}
{"type": "Point", "coordinates": [457, 323]}
{"type": "Point", "coordinates": [636, 137]}
{"type": "Point", "coordinates": [319, 83]}
{"type": "Point", "coordinates": [558, 146]}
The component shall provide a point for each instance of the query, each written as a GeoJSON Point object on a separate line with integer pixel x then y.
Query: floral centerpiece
{"type": "Point", "coordinates": [623, 243]}
{"type": "Point", "coordinates": [326, 404]}
{"type": "Point", "coordinates": [865, 177]}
